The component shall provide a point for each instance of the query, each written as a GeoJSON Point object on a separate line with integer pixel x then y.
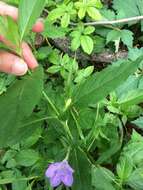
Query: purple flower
{"type": "Point", "coordinates": [60, 172]}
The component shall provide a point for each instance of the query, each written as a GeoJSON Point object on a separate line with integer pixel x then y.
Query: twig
{"type": "Point", "coordinates": [112, 22]}
{"type": "Point", "coordinates": [63, 44]}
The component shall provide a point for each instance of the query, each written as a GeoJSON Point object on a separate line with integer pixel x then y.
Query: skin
{"type": "Point", "coordinates": [10, 63]}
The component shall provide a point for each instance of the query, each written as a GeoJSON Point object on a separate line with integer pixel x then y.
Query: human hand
{"type": "Point", "coordinates": [10, 63]}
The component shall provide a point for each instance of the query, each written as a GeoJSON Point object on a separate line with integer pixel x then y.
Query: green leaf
{"type": "Point", "coordinates": [22, 185]}
{"type": "Point", "coordinates": [86, 44]}
{"type": "Point", "coordinates": [136, 179]}
{"type": "Point", "coordinates": [11, 180]}
{"type": "Point", "coordinates": [102, 179]}
{"type": "Point", "coordinates": [32, 139]}
{"type": "Point", "coordinates": [8, 156]}
{"type": "Point", "coordinates": [123, 6]}
{"type": "Point", "coordinates": [54, 69]}
{"type": "Point", "coordinates": [134, 149]}
{"type": "Point", "coordinates": [127, 38]}
{"type": "Point", "coordinates": [82, 12]}
{"type": "Point", "coordinates": [27, 157]}
{"type": "Point", "coordinates": [78, 5]}
{"type": "Point", "coordinates": [9, 29]}
{"type": "Point", "coordinates": [99, 44]}
{"type": "Point", "coordinates": [26, 129]}
{"type": "Point", "coordinates": [52, 31]}
{"type": "Point", "coordinates": [140, 7]}
{"type": "Point", "coordinates": [95, 3]}
{"type": "Point", "coordinates": [88, 71]}
{"type": "Point", "coordinates": [75, 34]}
{"type": "Point", "coordinates": [17, 104]}
{"type": "Point", "coordinates": [75, 43]}
{"type": "Point", "coordinates": [99, 85]}
{"type": "Point", "coordinates": [131, 98]}
{"type": "Point", "coordinates": [56, 13]}
{"type": "Point", "coordinates": [113, 35]}
{"type": "Point", "coordinates": [139, 122]}
{"type": "Point", "coordinates": [134, 53]}
{"type": "Point", "coordinates": [82, 175]}
{"type": "Point", "coordinates": [108, 14]}
{"type": "Point", "coordinates": [124, 168]}
{"type": "Point", "coordinates": [130, 84]}
{"type": "Point", "coordinates": [135, 9]}
{"type": "Point", "coordinates": [89, 30]}
{"type": "Point", "coordinates": [43, 52]}
{"type": "Point", "coordinates": [94, 13]}
{"type": "Point", "coordinates": [84, 73]}
{"type": "Point", "coordinates": [29, 11]}
{"type": "Point", "coordinates": [113, 143]}
{"type": "Point", "coordinates": [65, 20]}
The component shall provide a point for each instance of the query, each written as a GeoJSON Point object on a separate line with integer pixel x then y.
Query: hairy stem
{"type": "Point", "coordinates": [111, 22]}
{"type": "Point", "coordinates": [51, 103]}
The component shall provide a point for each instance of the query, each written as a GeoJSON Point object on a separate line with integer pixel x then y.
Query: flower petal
{"type": "Point", "coordinates": [68, 167]}
{"type": "Point", "coordinates": [67, 180]}
{"type": "Point", "coordinates": [50, 172]}
{"type": "Point", "coordinates": [60, 172]}
{"type": "Point", "coordinates": [55, 181]}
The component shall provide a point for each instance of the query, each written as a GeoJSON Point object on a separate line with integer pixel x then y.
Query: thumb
{"type": "Point", "coordinates": [12, 64]}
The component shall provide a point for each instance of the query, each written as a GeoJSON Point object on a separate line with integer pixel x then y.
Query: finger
{"type": "Point", "coordinates": [26, 51]}
{"type": "Point", "coordinates": [7, 42]}
{"type": "Point", "coordinates": [12, 64]}
{"type": "Point", "coordinates": [39, 26]}
{"type": "Point", "coordinates": [28, 56]}
{"type": "Point", "coordinates": [8, 10]}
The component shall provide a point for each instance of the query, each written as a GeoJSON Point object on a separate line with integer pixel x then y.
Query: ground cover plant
{"type": "Point", "coordinates": [76, 121]}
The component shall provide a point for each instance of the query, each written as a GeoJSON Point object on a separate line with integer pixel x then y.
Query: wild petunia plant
{"type": "Point", "coordinates": [71, 105]}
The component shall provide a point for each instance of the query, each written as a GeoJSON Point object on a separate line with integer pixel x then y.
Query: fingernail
{"type": "Point", "coordinates": [19, 67]}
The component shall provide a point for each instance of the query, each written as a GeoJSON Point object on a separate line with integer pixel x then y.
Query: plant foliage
{"type": "Point", "coordinates": [74, 106]}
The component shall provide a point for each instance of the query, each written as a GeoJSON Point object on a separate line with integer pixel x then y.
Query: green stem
{"type": "Point", "coordinates": [64, 124]}
{"type": "Point", "coordinates": [66, 128]}
{"type": "Point", "coordinates": [69, 80]}
{"type": "Point", "coordinates": [111, 22]}
{"type": "Point", "coordinates": [90, 145]}
{"type": "Point", "coordinates": [92, 135]}
{"type": "Point", "coordinates": [51, 103]}
{"type": "Point", "coordinates": [78, 127]}
{"type": "Point", "coordinates": [68, 153]}
{"type": "Point", "coordinates": [38, 120]}
{"type": "Point", "coordinates": [97, 112]}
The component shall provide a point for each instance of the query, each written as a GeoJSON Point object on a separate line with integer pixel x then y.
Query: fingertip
{"type": "Point", "coordinates": [10, 63]}
{"type": "Point", "coordinates": [8, 10]}
{"type": "Point", "coordinates": [19, 67]}
{"type": "Point", "coordinates": [28, 56]}
{"type": "Point", "coordinates": [39, 26]}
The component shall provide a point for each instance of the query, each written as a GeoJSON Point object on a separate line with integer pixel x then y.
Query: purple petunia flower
{"type": "Point", "coordinates": [60, 172]}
